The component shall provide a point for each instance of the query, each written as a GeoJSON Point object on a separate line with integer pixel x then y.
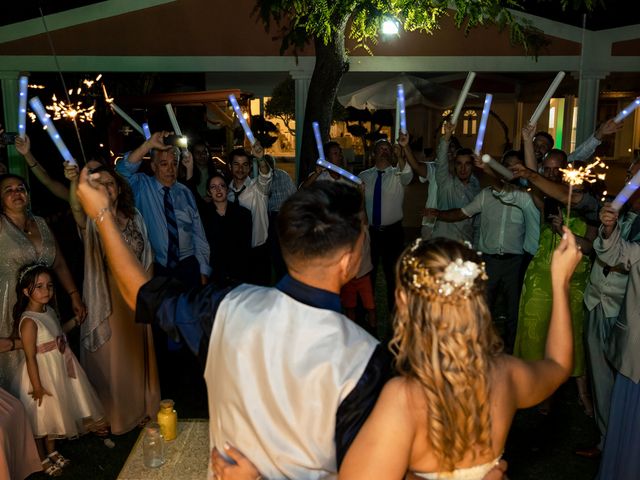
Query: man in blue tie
{"type": "Point", "coordinates": [384, 187]}
{"type": "Point", "coordinates": [170, 213]}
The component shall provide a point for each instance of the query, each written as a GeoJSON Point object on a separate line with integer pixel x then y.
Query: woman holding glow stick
{"type": "Point", "coordinates": [25, 238]}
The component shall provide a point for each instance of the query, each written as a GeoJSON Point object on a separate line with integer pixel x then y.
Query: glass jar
{"type": "Point", "coordinates": [168, 420]}
{"type": "Point", "coordinates": [153, 446]}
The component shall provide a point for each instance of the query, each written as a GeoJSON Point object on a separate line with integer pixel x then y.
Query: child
{"type": "Point", "coordinates": [58, 398]}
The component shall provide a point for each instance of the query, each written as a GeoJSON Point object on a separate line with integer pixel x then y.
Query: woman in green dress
{"type": "Point", "coordinates": [536, 299]}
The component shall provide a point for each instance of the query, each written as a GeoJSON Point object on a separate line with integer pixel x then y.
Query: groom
{"type": "Point", "coordinates": [287, 374]}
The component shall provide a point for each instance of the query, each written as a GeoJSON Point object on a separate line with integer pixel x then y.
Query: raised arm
{"type": "Point", "coordinates": [126, 268]}
{"type": "Point", "coordinates": [442, 155]}
{"type": "Point", "coordinates": [588, 147]}
{"type": "Point", "coordinates": [72, 173]}
{"type": "Point", "coordinates": [419, 168]}
{"type": "Point", "coordinates": [609, 245]}
{"type": "Point", "coordinates": [23, 146]}
{"type": "Point", "coordinates": [527, 141]}
{"type": "Point", "coordinates": [265, 174]}
{"type": "Point", "coordinates": [532, 382]}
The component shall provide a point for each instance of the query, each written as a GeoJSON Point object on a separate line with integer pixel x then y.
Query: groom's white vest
{"type": "Point", "coordinates": [276, 372]}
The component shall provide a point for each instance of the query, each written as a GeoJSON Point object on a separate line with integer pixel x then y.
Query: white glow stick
{"type": "Point", "coordinates": [173, 119]}
{"type": "Point", "coordinates": [126, 117]}
{"type": "Point", "coordinates": [328, 165]}
{"type": "Point", "coordinates": [45, 120]}
{"type": "Point", "coordinates": [146, 130]}
{"type": "Point", "coordinates": [401, 108]}
{"type": "Point", "coordinates": [463, 96]}
{"type": "Point", "coordinates": [22, 106]}
{"type": "Point", "coordinates": [545, 100]}
{"type": "Point", "coordinates": [625, 194]}
{"type": "Point", "coordinates": [483, 123]}
{"type": "Point", "coordinates": [241, 119]}
{"type": "Point", "coordinates": [627, 110]}
{"type": "Point", "coordinates": [497, 167]}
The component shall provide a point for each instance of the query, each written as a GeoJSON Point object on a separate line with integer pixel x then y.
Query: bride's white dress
{"type": "Point", "coordinates": [477, 472]}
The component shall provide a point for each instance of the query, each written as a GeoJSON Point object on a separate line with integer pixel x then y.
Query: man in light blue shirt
{"type": "Point", "coordinates": [153, 196]}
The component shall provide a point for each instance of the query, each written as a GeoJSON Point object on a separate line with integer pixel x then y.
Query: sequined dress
{"type": "Point", "coordinates": [17, 250]}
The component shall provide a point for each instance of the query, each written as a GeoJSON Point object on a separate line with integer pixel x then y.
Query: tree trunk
{"type": "Point", "coordinates": [331, 64]}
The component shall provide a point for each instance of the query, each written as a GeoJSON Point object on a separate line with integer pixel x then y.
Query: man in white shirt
{"type": "Point", "coordinates": [384, 195]}
{"type": "Point", "coordinates": [509, 228]}
{"type": "Point", "coordinates": [253, 194]}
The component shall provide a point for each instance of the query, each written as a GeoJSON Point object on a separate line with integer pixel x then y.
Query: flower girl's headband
{"type": "Point", "coordinates": [28, 269]}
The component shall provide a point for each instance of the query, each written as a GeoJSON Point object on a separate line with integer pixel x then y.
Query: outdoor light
{"type": "Point", "coordinates": [390, 27]}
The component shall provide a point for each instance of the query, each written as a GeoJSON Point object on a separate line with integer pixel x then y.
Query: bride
{"type": "Point", "coordinates": [448, 413]}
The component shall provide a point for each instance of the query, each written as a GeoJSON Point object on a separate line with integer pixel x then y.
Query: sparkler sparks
{"type": "Point", "coordinates": [77, 111]}
{"type": "Point", "coordinates": [577, 176]}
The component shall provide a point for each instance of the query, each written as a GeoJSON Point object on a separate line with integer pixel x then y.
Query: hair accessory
{"type": "Point", "coordinates": [28, 269]}
{"type": "Point", "coordinates": [459, 279]}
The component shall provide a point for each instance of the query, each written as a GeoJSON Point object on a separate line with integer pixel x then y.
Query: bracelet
{"type": "Point", "coordinates": [72, 292]}
{"type": "Point", "coordinates": [99, 218]}
{"type": "Point", "coordinates": [34, 165]}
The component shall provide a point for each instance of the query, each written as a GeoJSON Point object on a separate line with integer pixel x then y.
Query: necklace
{"type": "Point", "coordinates": [26, 230]}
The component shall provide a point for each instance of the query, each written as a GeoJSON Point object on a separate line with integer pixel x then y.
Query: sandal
{"type": "Point", "coordinates": [50, 468]}
{"type": "Point", "coordinates": [58, 459]}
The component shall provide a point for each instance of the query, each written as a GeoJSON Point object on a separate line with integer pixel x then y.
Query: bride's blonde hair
{"type": "Point", "coordinates": [444, 340]}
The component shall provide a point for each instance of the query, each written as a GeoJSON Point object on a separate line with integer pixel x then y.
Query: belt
{"type": "Point", "coordinates": [384, 228]}
{"type": "Point", "coordinates": [60, 344]}
{"type": "Point", "coordinates": [502, 256]}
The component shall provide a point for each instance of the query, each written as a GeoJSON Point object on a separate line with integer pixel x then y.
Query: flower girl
{"type": "Point", "coordinates": [58, 398]}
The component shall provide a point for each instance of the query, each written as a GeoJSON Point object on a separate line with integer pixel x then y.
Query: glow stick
{"type": "Point", "coordinates": [45, 120]}
{"type": "Point", "coordinates": [126, 117]}
{"type": "Point", "coordinates": [497, 167]}
{"type": "Point", "coordinates": [241, 119]}
{"type": "Point", "coordinates": [173, 120]}
{"type": "Point", "coordinates": [463, 96]}
{"type": "Point", "coordinates": [22, 106]}
{"type": "Point", "coordinates": [401, 108]}
{"type": "Point", "coordinates": [328, 165]}
{"type": "Point", "coordinates": [627, 110]}
{"type": "Point", "coordinates": [146, 130]}
{"type": "Point", "coordinates": [483, 123]}
{"type": "Point", "coordinates": [545, 100]}
{"type": "Point", "coordinates": [625, 194]}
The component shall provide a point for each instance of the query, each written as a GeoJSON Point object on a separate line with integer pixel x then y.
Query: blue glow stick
{"type": "Point", "coordinates": [22, 106]}
{"type": "Point", "coordinates": [45, 120]}
{"type": "Point", "coordinates": [627, 110]}
{"type": "Point", "coordinates": [241, 119]}
{"type": "Point", "coordinates": [626, 193]}
{"type": "Point", "coordinates": [401, 109]}
{"type": "Point", "coordinates": [483, 123]}
{"type": "Point", "coordinates": [146, 130]}
{"type": "Point", "coordinates": [328, 165]}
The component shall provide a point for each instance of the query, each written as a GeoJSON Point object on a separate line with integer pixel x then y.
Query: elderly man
{"type": "Point", "coordinates": [384, 187]}
{"type": "Point", "coordinates": [169, 210]}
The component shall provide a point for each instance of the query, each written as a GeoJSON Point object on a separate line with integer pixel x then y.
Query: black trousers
{"type": "Point", "coordinates": [387, 243]}
{"type": "Point", "coordinates": [504, 272]}
{"type": "Point", "coordinates": [178, 367]}
{"type": "Point", "coordinates": [277, 262]}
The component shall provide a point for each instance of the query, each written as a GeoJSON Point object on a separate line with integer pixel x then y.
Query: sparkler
{"type": "Point", "coordinates": [47, 124]}
{"type": "Point", "coordinates": [72, 111]}
{"type": "Point", "coordinates": [577, 176]}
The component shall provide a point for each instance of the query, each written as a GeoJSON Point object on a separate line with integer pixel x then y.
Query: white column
{"type": "Point", "coordinates": [588, 96]}
{"type": "Point", "coordinates": [9, 83]}
{"type": "Point", "coordinates": [302, 78]}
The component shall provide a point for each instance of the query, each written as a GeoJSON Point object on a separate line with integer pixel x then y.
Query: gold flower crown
{"type": "Point", "coordinates": [459, 280]}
